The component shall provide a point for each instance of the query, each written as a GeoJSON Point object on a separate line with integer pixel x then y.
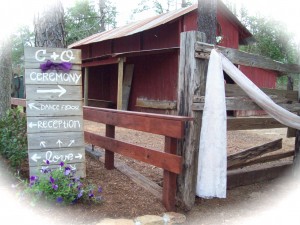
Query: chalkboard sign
{"type": "Point", "coordinates": [53, 82]}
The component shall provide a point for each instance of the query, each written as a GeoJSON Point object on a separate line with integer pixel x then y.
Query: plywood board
{"type": "Point", "coordinates": [54, 140]}
{"type": "Point", "coordinates": [54, 108]}
{"type": "Point", "coordinates": [53, 92]}
{"type": "Point", "coordinates": [36, 76]}
{"type": "Point", "coordinates": [127, 80]}
{"type": "Point", "coordinates": [54, 124]}
{"type": "Point", "coordinates": [55, 156]}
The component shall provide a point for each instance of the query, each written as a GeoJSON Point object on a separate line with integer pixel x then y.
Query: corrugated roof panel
{"type": "Point", "coordinates": [134, 27]}
{"type": "Point", "coordinates": [146, 24]}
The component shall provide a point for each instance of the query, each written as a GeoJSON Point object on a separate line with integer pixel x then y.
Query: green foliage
{"type": "Point", "coordinates": [159, 6]}
{"type": "Point", "coordinates": [272, 38]}
{"type": "Point", "coordinates": [83, 20]}
{"type": "Point", "coordinates": [22, 37]}
{"type": "Point", "coordinates": [62, 186]}
{"type": "Point", "coordinates": [13, 137]}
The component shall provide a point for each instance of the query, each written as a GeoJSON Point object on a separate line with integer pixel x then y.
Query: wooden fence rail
{"type": "Point", "coordinates": [172, 127]}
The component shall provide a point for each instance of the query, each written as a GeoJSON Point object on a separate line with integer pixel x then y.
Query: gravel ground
{"type": "Point", "coordinates": [124, 199]}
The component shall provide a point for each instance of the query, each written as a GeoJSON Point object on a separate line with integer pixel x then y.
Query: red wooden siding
{"type": "Point", "coordinates": [228, 31]}
{"type": "Point", "coordinates": [155, 78]}
{"type": "Point", "coordinates": [190, 21]}
{"type": "Point", "coordinates": [101, 48]}
{"type": "Point", "coordinates": [164, 36]}
{"type": "Point", "coordinates": [127, 44]}
{"type": "Point", "coordinates": [262, 78]}
{"type": "Point", "coordinates": [103, 83]}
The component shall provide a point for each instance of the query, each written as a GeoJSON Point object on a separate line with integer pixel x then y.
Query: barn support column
{"type": "Point", "coordinates": [120, 82]}
{"type": "Point", "coordinates": [86, 86]}
{"type": "Point", "coordinates": [191, 81]}
{"type": "Point", "coordinates": [296, 164]}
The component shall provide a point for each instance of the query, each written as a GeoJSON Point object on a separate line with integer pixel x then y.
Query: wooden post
{"type": "Point", "coordinates": [296, 164]}
{"type": "Point", "coordinates": [291, 132]}
{"type": "Point", "coordinates": [169, 185]}
{"type": "Point", "coordinates": [86, 86]}
{"type": "Point", "coordinates": [109, 155]}
{"type": "Point", "coordinates": [120, 82]}
{"type": "Point", "coordinates": [191, 81]}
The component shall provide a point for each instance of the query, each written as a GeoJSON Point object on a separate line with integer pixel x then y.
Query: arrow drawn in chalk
{"type": "Point", "coordinates": [32, 106]}
{"type": "Point", "coordinates": [43, 144]}
{"type": "Point", "coordinates": [35, 157]}
{"type": "Point", "coordinates": [71, 142]}
{"type": "Point", "coordinates": [61, 91]}
{"type": "Point", "coordinates": [79, 156]}
{"type": "Point", "coordinates": [31, 125]}
{"type": "Point", "coordinates": [59, 142]}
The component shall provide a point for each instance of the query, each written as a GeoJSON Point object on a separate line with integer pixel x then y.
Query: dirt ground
{"type": "Point", "coordinates": [124, 199]}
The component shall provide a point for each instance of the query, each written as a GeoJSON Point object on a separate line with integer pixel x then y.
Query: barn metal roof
{"type": "Point", "coordinates": [146, 24]}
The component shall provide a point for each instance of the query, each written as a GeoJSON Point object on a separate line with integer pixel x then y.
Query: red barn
{"type": "Point", "coordinates": [137, 64]}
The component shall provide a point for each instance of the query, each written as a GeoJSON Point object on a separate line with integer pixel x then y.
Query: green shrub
{"type": "Point", "coordinates": [13, 137]}
{"type": "Point", "coordinates": [61, 185]}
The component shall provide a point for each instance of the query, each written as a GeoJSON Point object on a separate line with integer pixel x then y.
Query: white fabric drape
{"type": "Point", "coordinates": [259, 97]}
{"type": "Point", "coordinates": [212, 161]}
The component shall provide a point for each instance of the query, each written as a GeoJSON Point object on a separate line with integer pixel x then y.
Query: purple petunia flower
{"type": "Point", "coordinates": [62, 164]}
{"type": "Point", "coordinates": [99, 189]}
{"type": "Point", "coordinates": [67, 171]}
{"type": "Point", "coordinates": [33, 178]}
{"type": "Point", "coordinates": [80, 193]}
{"type": "Point", "coordinates": [47, 162]}
{"type": "Point", "coordinates": [59, 200]}
{"type": "Point", "coordinates": [51, 180]}
{"type": "Point", "coordinates": [55, 187]}
{"type": "Point", "coordinates": [91, 194]}
{"type": "Point", "coordinates": [45, 169]}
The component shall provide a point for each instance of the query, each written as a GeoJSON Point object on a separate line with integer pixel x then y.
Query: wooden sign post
{"type": "Point", "coordinates": [54, 109]}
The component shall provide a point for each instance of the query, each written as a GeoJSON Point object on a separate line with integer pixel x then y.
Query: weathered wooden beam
{"type": "Point", "coordinates": [241, 177]}
{"type": "Point", "coordinates": [247, 59]}
{"type": "Point", "coordinates": [128, 74]}
{"type": "Point", "coordinates": [120, 83]}
{"type": "Point", "coordinates": [264, 159]}
{"type": "Point", "coordinates": [284, 96]}
{"type": "Point", "coordinates": [296, 165]}
{"type": "Point", "coordinates": [248, 154]}
{"type": "Point", "coordinates": [252, 123]}
{"type": "Point", "coordinates": [135, 176]}
{"type": "Point", "coordinates": [155, 104]}
{"type": "Point", "coordinates": [18, 102]}
{"type": "Point", "coordinates": [86, 86]}
{"type": "Point", "coordinates": [191, 81]}
{"type": "Point", "coordinates": [243, 103]}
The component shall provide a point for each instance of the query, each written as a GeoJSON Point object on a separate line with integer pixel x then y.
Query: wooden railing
{"type": "Point", "coordinates": [172, 127]}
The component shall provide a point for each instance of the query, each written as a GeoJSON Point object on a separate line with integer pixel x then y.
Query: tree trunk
{"type": "Point", "coordinates": [5, 75]}
{"type": "Point", "coordinates": [207, 19]}
{"type": "Point", "coordinates": [102, 7]}
{"type": "Point", "coordinates": [49, 26]}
